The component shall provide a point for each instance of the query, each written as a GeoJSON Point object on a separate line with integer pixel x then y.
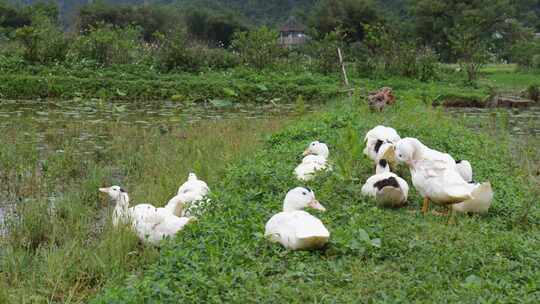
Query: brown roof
{"type": "Point", "coordinates": [292, 25]}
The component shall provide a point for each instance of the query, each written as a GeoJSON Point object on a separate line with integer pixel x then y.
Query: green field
{"type": "Point", "coordinates": [75, 255]}
{"type": "Point", "coordinates": [224, 258]}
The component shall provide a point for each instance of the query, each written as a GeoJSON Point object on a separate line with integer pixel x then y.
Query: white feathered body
{"type": "Point", "coordinates": [297, 230]}
{"type": "Point", "coordinates": [310, 164]}
{"type": "Point", "coordinates": [152, 224]}
{"type": "Point", "coordinates": [388, 195]}
{"type": "Point", "coordinates": [189, 197]}
{"type": "Point", "coordinates": [464, 169]}
{"type": "Point", "coordinates": [435, 176]}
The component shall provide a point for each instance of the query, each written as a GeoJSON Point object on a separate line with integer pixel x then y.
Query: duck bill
{"type": "Point", "coordinates": [306, 152]}
{"type": "Point", "coordinates": [104, 190]}
{"type": "Point", "coordinates": [316, 205]}
{"type": "Point", "coordinates": [390, 154]}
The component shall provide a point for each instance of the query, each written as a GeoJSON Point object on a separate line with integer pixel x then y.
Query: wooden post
{"type": "Point", "coordinates": [345, 79]}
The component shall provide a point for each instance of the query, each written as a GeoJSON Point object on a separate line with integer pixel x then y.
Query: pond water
{"type": "Point", "coordinates": [50, 119]}
{"type": "Point", "coordinates": [89, 122]}
{"type": "Point", "coordinates": [521, 122]}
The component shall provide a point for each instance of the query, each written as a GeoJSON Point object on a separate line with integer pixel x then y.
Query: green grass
{"type": "Point", "coordinates": [224, 257]}
{"type": "Point", "coordinates": [72, 255]}
{"type": "Point", "coordinates": [69, 254]}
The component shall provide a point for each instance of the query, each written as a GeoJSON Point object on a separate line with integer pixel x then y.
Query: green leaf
{"type": "Point", "coordinates": [261, 87]}
{"type": "Point", "coordinates": [376, 243]}
{"type": "Point", "coordinates": [230, 92]}
{"type": "Point", "coordinates": [363, 235]}
{"type": "Point", "coordinates": [120, 93]}
{"type": "Point", "coordinates": [220, 103]}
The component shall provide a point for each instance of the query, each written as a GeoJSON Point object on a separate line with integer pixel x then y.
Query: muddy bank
{"type": "Point", "coordinates": [483, 102]}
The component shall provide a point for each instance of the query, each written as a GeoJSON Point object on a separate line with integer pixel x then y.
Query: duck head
{"type": "Point", "coordinates": [317, 148]}
{"type": "Point", "coordinates": [408, 150]}
{"type": "Point", "coordinates": [117, 194]}
{"type": "Point", "coordinates": [192, 176]}
{"type": "Point", "coordinates": [300, 198]}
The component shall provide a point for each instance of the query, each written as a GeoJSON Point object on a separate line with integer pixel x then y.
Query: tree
{"type": "Point", "coordinates": [258, 48]}
{"type": "Point", "coordinates": [348, 15]}
{"type": "Point", "coordinates": [214, 28]}
{"type": "Point", "coordinates": [435, 20]}
{"type": "Point", "coordinates": [470, 47]}
{"type": "Point", "coordinates": [150, 19]}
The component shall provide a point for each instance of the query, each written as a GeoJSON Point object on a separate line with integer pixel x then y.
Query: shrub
{"type": "Point", "coordinates": [470, 48]}
{"type": "Point", "coordinates": [324, 52]}
{"type": "Point", "coordinates": [107, 45]}
{"type": "Point", "coordinates": [386, 52]}
{"type": "Point", "coordinates": [215, 29]}
{"type": "Point", "coordinates": [43, 41]}
{"type": "Point", "coordinates": [149, 18]}
{"type": "Point", "coordinates": [526, 54]}
{"type": "Point", "coordinates": [258, 48]}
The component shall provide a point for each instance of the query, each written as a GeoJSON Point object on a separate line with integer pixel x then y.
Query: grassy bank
{"type": "Point", "coordinates": [243, 85]}
{"type": "Point", "coordinates": [224, 257]}
{"type": "Point", "coordinates": [121, 83]}
{"type": "Point", "coordinates": [61, 247]}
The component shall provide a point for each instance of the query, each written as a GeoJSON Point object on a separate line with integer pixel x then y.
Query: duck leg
{"type": "Point", "coordinates": [425, 206]}
{"type": "Point", "coordinates": [451, 219]}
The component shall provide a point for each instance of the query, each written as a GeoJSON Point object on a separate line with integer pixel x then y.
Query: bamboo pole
{"type": "Point", "coordinates": [344, 71]}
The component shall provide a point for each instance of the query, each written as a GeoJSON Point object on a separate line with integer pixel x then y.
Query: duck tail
{"type": "Point", "coordinates": [390, 197]}
{"type": "Point", "coordinates": [480, 201]}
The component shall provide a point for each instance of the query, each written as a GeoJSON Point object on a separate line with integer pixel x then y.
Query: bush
{"type": "Point", "coordinates": [386, 52]}
{"type": "Point", "coordinates": [258, 48]}
{"type": "Point", "coordinates": [173, 53]}
{"type": "Point", "coordinates": [212, 28]}
{"type": "Point", "coordinates": [150, 18]}
{"type": "Point", "coordinates": [107, 45]}
{"type": "Point", "coordinates": [43, 41]}
{"type": "Point", "coordinates": [526, 54]}
{"type": "Point", "coordinates": [324, 52]}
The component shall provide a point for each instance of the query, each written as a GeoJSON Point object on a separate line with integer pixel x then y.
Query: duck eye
{"type": "Point", "coordinates": [304, 193]}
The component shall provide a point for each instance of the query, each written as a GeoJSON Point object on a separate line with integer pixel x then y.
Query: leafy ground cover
{"type": "Point", "coordinates": [375, 255]}
{"type": "Point", "coordinates": [61, 247]}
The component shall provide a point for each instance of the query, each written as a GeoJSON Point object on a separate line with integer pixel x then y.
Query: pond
{"type": "Point", "coordinates": [88, 126]}
{"type": "Point", "coordinates": [520, 121]}
{"type": "Point", "coordinates": [54, 116]}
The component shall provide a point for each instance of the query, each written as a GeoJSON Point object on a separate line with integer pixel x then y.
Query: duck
{"type": "Point", "coordinates": [315, 159]}
{"type": "Point", "coordinates": [294, 228]}
{"type": "Point", "coordinates": [189, 197]}
{"type": "Point", "coordinates": [378, 142]}
{"type": "Point", "coordinates": [464, 169]}
{"type": "Point", "coordinates": [436, 177]}
{"type": "Point", "coordinates": [388, 189]}
{"type": "Point", "coordinates": [150, 224]}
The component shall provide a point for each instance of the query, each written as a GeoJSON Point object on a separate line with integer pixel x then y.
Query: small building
{"type": "Point", "coordinates": [292, 33]}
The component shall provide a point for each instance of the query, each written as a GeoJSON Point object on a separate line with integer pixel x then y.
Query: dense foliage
{"type": "Point", "coordinates": [380, 38]}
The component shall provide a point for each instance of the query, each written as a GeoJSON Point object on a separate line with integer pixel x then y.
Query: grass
{"type": "Point", "coordinates": [61, 247]}
{"type": "Point", "coordinates": [69, 253]}
{"type": "Point", "coordinates": [224, 258]}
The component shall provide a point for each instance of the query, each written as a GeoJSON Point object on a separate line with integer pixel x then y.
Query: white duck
{"type": "Point", "coordinates": [190, 195]}
{"type": "Point", "coordinates": [387, 188]}
{"type": "Point", "coordinates": [464, 169]}
{"type": "Point", "coordinates": [435, 176]}
{"type": "Point", "coordinates": [378, 140]}
{"type": "Point", "coordinates": [151, 224]}
{"type": "Point", "coordinates": [315, 159]}
{"type": "Point", "coordinates": [296, 229]}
